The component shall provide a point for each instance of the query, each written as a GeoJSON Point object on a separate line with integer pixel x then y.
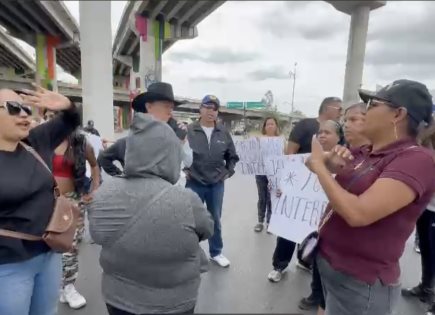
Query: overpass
{"type": "Point", "coordinates": [147, 29]}
{"type": "Point", "coordinates": [122, 98]}
{"type": "Point", "coordinates": [143, 24]}
{"type": "Point", "coordinates": [14, 61]}
{"type": "Point", "coordinates": [359, 12]}
{"type": "Point", "coordinates": [49, 27]}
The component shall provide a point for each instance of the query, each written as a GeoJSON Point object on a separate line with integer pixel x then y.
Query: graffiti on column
{"type": "Point", "coordinates": [46, 60]}
{"type": "Point", "coordinates": [141, 24]}
{"type": "Point", "coordinates": [150, 77]}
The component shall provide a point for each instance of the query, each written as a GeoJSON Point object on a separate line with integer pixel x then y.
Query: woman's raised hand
{"type": "Point", "coordinates": [43, 98]}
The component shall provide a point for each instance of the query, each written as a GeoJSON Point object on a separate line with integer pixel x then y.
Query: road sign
{"type": "Point", "coordinates": [253, 105]}
{"type": "Point", "coordinates": [235, 105]}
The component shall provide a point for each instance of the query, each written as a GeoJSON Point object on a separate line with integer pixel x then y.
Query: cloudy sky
{"type": "Point", "coordinates": [247, 48]}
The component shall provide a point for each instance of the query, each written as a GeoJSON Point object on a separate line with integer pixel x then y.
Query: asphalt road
{"type": "Point", "coordinates": [242, 288]}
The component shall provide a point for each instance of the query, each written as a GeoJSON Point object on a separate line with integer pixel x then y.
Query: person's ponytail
{"type": "Point", "coordinates": [426, 135]}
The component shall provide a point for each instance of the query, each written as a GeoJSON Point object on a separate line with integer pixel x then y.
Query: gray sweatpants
{"type": "Point", "coordinates": [345, 295]}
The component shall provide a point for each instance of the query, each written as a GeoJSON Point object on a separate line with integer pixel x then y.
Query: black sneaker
{"type": "Point", "coordinates": [425, 295]}
{"type": "Point", "coordinates": [301, 265]}
{"type": "Point", "coordinates": [258, 227]}
{"type": "Point", "coordinates": [309, 303]}
{"type": "Point", "coordinates": [431, 310]}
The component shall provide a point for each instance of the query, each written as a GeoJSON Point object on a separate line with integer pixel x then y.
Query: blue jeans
{"type": "Point", "coordinates": [213, 196]}
{"type": "Point", "coordinates": [31, 287]}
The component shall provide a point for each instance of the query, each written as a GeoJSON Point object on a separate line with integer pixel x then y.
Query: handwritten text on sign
{"type": "Point", "coordinates": [258, 155]}
{"type": "Point", "coordinates": [297, 212]}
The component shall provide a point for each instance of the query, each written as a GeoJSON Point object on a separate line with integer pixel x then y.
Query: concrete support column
{"type": "Point", "coordinates": [96, 59]}
{"type": "Point", "coordinates": [151, 34]}
{"type": "Point", "coordinates": [46, 74]}
{"type": "Point", "coordinates": [147, 63]}
{"type": "Point", "coordinates": [355, 54]}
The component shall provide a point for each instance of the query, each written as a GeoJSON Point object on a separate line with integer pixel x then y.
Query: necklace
{"type": "Point", "coordinates": [359, 164]}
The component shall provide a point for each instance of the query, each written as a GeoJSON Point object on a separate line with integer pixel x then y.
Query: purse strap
{"type": "Point", "coordinates": [36, 155]}
{"type": "Point", "coordinates": [355, 178]}
{"type": "Point", "coordinates": [19, 235]}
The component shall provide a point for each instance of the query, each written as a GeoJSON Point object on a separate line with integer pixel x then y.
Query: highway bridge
{"type": "Point", "coordinates": [121, 98]}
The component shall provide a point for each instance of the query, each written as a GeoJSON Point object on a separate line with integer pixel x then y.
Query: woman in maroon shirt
{"type": "Point", "coordinates": [376, 199]}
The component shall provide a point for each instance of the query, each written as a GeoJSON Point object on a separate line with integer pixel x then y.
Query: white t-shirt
{"type": "Point", "coordinates": [97, 145]}
{"type": "Point", "coordinates": [187, 162]}
{"type": "Point", "coordinates": [208, 131]}
{"type": "Point", "coordinates": [431, 205]}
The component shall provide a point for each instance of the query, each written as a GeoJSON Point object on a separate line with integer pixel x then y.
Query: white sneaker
{"type": "Point", "coordinates": [275, 276]}
{"type": "Point", "coordinates": [70, 295]}
{"type": "Point", "coordinates": [221, 260]}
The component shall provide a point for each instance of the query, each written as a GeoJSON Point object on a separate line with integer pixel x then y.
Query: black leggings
{"type": "Point", "coordinates": [283, 253]}
{"type": "Point", "coordinates": [426, 234]}
{"type": "Point", "coordinates": [264, 204]}
{"type": "Point", "coordinates": [115, 311]}
{"type": "Point", "coordinates": [316, 286]}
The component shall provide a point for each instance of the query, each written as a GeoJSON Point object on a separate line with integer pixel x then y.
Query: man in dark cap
{"type": "Point", "coordinates": [214, 160]}
{"type": "Point", "coordinates": [159, 102]}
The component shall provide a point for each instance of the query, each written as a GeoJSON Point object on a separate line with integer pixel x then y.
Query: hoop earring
{"type": "Point", "coordinates": [395, 131]}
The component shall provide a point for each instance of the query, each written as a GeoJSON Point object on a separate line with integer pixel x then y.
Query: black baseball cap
{"type": "Point", "coordinates": [412, 95]}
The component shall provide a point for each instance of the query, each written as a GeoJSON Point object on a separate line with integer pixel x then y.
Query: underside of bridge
{"type": "Point", "coordinates": [182, 18]}
{"type": "Point", "coordinates": [49, 27]}
{"type": "Point", "coordinates": [14, 61]}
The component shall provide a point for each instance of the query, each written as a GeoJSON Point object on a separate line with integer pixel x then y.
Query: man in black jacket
{"type": "Point", "coordinates": [214, 159]}
{"type": "Point", "coordinates": [159, 102]}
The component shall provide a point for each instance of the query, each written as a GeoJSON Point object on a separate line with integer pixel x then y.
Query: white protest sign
{"type": "Point", "coordinates": [297, 212]}
{"type": "Point", "coordinates": [249, 153]}
{"type": "Point", "coordinates": [257, 155]}
{"type": "Point", "coordinates": [271, 146]}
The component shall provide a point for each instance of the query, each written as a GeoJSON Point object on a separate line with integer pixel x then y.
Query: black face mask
{"type": "Point", "coordinates": [15, 108]}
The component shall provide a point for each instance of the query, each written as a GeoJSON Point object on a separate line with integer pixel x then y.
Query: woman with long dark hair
{"type": "Point", "coordinates": [69, 169]}
{"type": "Point", "coordinates": [30, 272]}
{"type": "Point", "coordinates": [264, 205]}
{"type": "Point", "coordinates": [375, 201]}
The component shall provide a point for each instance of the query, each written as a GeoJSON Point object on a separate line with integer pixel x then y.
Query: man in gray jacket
{"type": "Point", "coordinates": [159, 102]}
{"type": "Point", "coordinates": [214, 159]}
{"type": "Point", "coordinates": [149, 229]}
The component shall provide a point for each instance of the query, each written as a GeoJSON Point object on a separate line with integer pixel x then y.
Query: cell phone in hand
{"type": "Point", "coordinates": [181, 133]}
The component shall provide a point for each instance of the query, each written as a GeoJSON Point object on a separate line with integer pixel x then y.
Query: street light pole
{"type": "Point", "coordinates": [293, 74]}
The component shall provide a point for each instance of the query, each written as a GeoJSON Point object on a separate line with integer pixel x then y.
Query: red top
{"type": "Point", "coordinates": [373, 252]}
{"type": "Point", "coordinates": [62, 167]}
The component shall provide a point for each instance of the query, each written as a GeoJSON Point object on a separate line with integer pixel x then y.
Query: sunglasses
{"type": "Point", "coordinates": [15, 108]}
{"type": "Point", "coordinates": [340, 109]}
{"type": "Point", "coordinates": [371, 103]}
{"type": "Point", "coordinates": [209, 106]}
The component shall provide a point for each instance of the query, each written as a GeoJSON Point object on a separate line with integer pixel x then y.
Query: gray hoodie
{"type": "Point", "coordinates": [149, 229]}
